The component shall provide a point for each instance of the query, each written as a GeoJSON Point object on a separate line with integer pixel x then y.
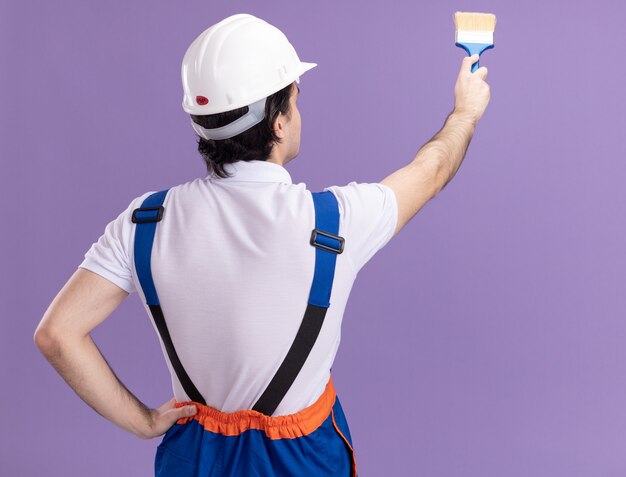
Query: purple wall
{"type": "Point", "coordinates": [487, 339]}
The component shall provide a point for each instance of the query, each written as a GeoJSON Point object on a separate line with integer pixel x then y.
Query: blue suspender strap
{"type": "Point", "coordinates": [146, 218]}
{"type": "Point", "coordinates": [328, 245]}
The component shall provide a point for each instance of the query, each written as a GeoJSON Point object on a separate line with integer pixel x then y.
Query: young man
{"type": "Point", "coordinates": [245, 274]}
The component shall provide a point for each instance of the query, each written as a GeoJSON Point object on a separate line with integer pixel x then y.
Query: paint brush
{"type": "Point", "coordinates": [474, 32]}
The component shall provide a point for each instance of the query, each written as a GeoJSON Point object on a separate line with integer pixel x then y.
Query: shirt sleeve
{"type": "Point", "coordinates": [110, 256]}
{"type": "Point", "coordinates": [369, 216]}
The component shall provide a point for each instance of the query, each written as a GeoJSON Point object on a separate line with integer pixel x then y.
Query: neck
{"type": "Point", "coordinates": [278, 158]}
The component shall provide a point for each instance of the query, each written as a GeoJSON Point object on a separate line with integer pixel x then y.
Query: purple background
{"type": "Point", "coordinates": [487, 339]}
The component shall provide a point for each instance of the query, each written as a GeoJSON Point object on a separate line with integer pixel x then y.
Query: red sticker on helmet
{"type": "Point", "coordinates": [201, 100]}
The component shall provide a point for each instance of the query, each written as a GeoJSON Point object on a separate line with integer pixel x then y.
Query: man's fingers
{"type": "Point", "coordinates": [167, 405]}
{"type": "Point", "coordinates": [468, 61]}
{"type": "Point", "coordinates": [175, 413]}
{"type": "Point", "coordinates": [482, 72]}
{"type": "Point", "coordinates": [186, 411]}
{"type": "Point", "coordinates": [172, 415]}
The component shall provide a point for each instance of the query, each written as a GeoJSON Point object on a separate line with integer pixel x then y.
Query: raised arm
{"type": "Point", "coordinates": [436, 163]}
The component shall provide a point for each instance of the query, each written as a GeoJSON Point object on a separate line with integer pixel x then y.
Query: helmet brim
{"type": "Point", "coordinates": [304, 67]}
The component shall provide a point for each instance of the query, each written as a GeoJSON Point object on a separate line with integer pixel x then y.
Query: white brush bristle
{"type": "Point", "coordinates": [469, 21]}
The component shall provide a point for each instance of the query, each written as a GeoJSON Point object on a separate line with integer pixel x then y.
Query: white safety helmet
{"type": "Point", "coordinates": [237, 62]}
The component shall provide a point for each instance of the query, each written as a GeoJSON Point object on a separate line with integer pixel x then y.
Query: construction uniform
{"type": "Point", "coordinates": [233, 279]}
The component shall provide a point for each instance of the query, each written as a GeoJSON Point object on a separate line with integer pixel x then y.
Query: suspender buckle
{"type": "Point", "coordinates": [154, 214]}
{"type": "Point", "coordinates": [330, 242]}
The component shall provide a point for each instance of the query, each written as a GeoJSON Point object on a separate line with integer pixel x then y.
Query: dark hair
{"type": "Point", "coordinates": [254, 144]}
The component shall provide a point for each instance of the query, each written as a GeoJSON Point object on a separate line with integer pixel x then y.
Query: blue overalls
{"type": "Point", "coordinates": [315, 441]}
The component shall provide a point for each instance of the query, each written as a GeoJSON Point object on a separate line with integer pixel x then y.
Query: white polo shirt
{"type": "Point", "coordinates": [232, 266]}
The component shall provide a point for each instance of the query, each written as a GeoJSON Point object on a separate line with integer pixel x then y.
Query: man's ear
{"type": "Point", "coordinates": [279, 125]}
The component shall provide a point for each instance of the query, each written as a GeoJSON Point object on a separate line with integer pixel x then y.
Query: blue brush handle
{"type": "Point", "coordinates": [473, 48]}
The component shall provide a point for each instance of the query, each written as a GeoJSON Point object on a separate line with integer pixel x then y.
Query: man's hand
{"type": "Point", "coordinates": [163, 418]}
{"type": "Point", "coordinates": [471, 92]}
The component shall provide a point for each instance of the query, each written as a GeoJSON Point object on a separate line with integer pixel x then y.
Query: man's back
{"type": "Point", "coordinates": [233, 267]}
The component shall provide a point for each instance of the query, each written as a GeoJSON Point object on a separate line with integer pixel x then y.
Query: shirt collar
{"type": "Point", "coordinates": [255, 171]}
